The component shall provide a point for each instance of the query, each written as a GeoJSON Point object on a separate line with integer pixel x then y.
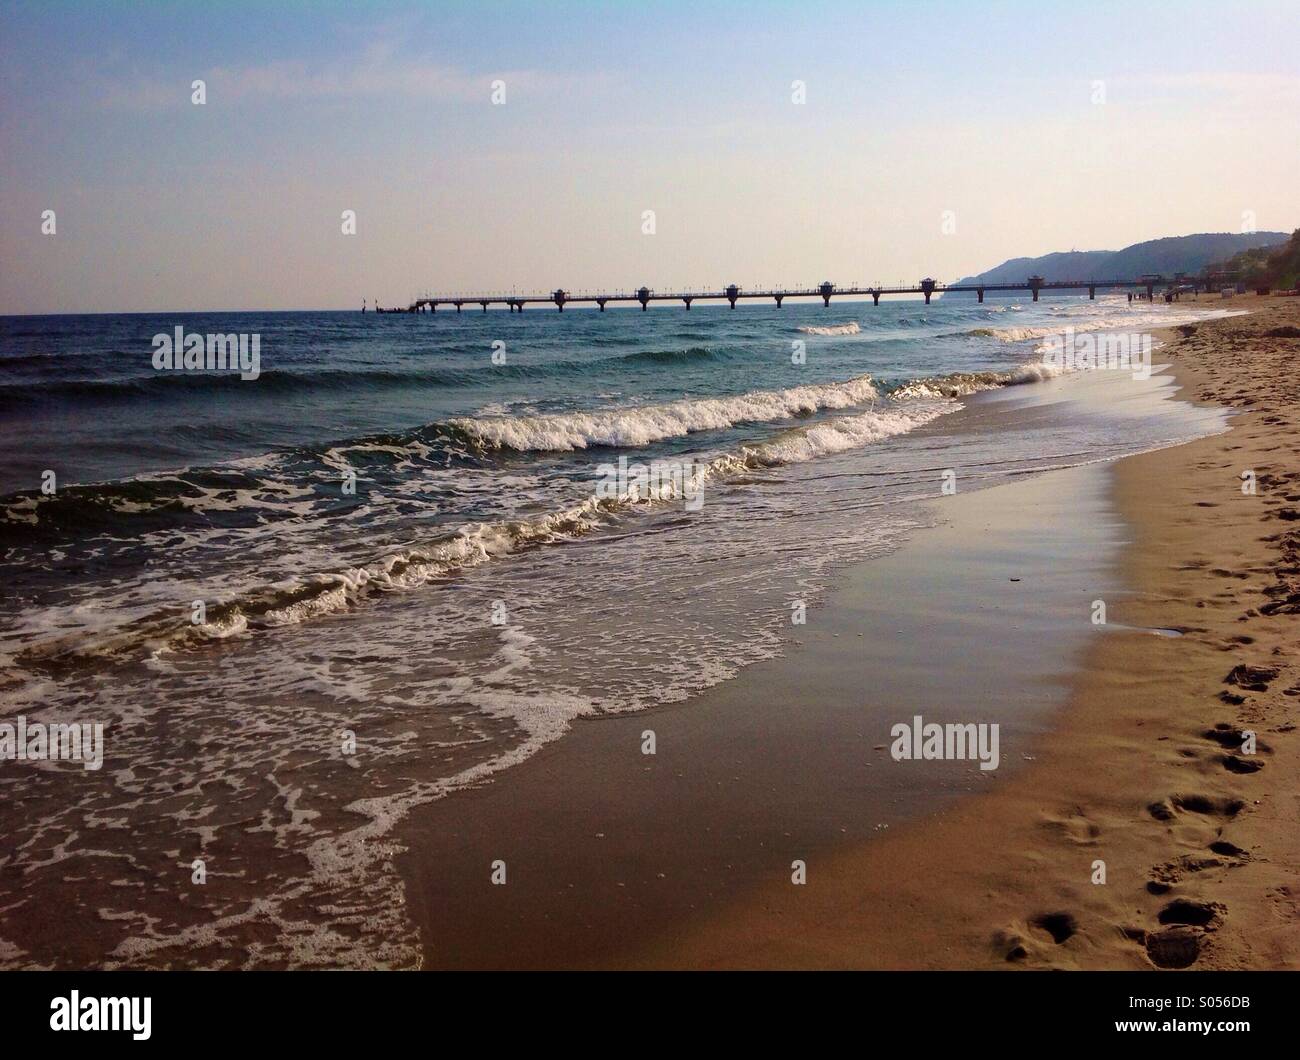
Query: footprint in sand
{"type": "Point", "coordinates": [1173, 948]}
{"type": "Point", "coordinates": [1251, 678]}
{"type": "Point", "coordinates": [1164, 877]}
{"type": "Point", "coordinates": [1207, 805]}
{"type": "Point", "coordinates": [1013, 945]}
{"type": "Point", "coordinates": [1074, 826]}
{"type": "Point", "coordinates": [1231, 738]}
{"type": "Point", "coordinates": [1186, 924]}
{"type": "Point", "coordinates": [1184, 911]}
{"type": "Point", "coordinates": [1061, 926]}
{"type": "Point", "coordinates": [1286, 904]}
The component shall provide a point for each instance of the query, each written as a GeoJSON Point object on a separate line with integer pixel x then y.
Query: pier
{"type": "Point", "coordinates": [732, 293]}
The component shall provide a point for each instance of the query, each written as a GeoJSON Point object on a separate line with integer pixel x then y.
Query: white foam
{"type": "Point", "coordinates": [850, 432]}
{"type": "Point", "coordinates": [639, 426]}
{"type": "Point", "coordinates": [1140, 320]}
{"type": "Point", "coordinates": [851, 328]}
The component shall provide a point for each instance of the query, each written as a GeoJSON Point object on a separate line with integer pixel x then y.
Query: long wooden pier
{"type": "Point", "coordinates": [825, 291]}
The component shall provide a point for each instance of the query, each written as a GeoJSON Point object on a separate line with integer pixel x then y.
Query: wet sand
{"type": "Point", "coordinates": [608, 849]}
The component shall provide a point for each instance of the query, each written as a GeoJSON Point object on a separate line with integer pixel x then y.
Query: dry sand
{"type": "Point", "coordinates": [1145, 772]}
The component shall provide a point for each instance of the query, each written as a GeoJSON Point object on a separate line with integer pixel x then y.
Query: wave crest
{"type": "Point", "coordinates": [640, 425]}
{"type": "Point", "coordinates": [310, 596]}
{"type": "Point", "coordinates": [851, 328]}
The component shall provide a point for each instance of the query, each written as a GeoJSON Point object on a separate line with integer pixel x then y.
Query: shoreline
{"type": "Point", "coordinates": [1142, 772]}
{"type": "Point", "coordinates": [608, 849]}
{"type": "Point", "coordinates": [585, 841]}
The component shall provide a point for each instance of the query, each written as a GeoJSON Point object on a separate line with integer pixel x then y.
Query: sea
{"type": "Point", "coordinates": [411, 550]}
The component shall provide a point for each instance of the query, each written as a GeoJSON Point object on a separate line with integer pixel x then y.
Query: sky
{"type": "Point", "coordinates": [931, 140]}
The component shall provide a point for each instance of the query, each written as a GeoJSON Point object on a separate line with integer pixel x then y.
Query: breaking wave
{"type": "Point", "coordinates": [640, 425]}
{"type": "Point", "coordinates": [960, 384]}
{"type": "Point", "coordinates": [183, 498]}
{"type": "Point", "coordinates": [851, 328]}
{"type": "Point", "coordinates": [1143, 321]}
{"type": "Point", "coordinates": [300, 599]}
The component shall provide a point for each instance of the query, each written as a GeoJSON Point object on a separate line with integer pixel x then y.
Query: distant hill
{"type": "Point", "coordinates": [1276, 267]}
{"type": "Point", "coordinates": [1167, 256]}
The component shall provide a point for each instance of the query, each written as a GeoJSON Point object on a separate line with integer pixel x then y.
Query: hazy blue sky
{"type": "Point", "coordinates": [983, 109]}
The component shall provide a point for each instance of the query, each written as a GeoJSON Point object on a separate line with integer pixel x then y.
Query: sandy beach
{"type": "Point", "coordinates": [1128, 767]}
